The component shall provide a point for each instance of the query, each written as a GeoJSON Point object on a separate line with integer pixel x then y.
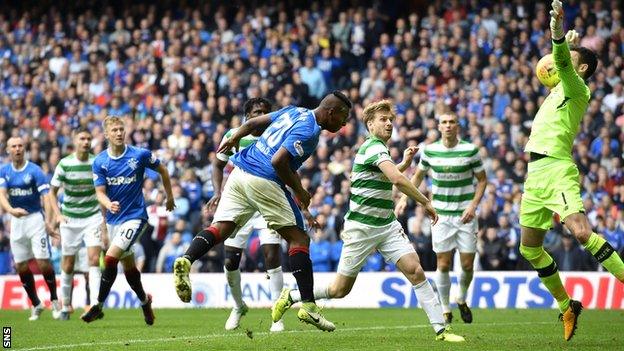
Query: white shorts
{"type": "Point", "coordinates": [245, 194]}
{"type": "Point", "coordinates": [29, 238]}
{"type": "Point", "coordinates": [266, 235]}
{"type": "Point", "coordinates": [81, 263]}
{"type": "Point", "coordinates": [125, 234]}
{"type": "Point", "coordinates": [360, 240]}
{"type": "Point", "coordinates": [450, 233]}
{"type": "Point", "coordinates": [77, 230]}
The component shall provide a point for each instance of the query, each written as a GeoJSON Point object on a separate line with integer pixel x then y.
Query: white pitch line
{"type": "Point", "coordinates": [224, 335]}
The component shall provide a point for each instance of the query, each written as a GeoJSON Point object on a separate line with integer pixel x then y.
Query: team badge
{"type": "Point", "coordinates": [133, 163]}
{"type": "Point", "coordinates": [27, 178]}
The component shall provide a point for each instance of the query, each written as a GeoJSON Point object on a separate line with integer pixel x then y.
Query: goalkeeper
{"type": "Point", "coordinates": [552, 183]}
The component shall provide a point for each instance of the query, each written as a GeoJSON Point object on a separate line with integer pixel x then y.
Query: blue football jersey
{"type": "Point", "coordinates": [24, 186]}
{"type": "Point", "coordinates": [123, 178]}
{"type": "Point", "coordinates": [293, 128]}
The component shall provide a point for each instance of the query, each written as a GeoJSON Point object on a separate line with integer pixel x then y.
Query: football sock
{"type": "Point", "coordinates": [299, 258]}
{"type": "Point", "coordinates": [28, 282]}
{"type": "Point", "coordinates": [108, 278]}
{"type": "Point", "coordinates": [431, 304]}
{"type": "Point", "coordinates": [276, 281]}
{"type": "Point", "coordinates": [234, 282]}
{"type": "Point", "coordinates": [606, 255]}
{"type": "Point", "coordinates": [548, 273]}
{"type": "Point", "coordinates": [50, 279]}
{"type": "Point", "coordinates": [443, 282]}
{"type": "Point", "coordinates": [95, 275]}
{"type": "Point", "coordinates": [465, 278]}
{"type": "Point", "coordinates": [202, 242]}
{"type": "Point", "coordinates": [320, 292]}
{"type": "Point", "coordinates": [67, 280]}
{"type": "Point", "coordinates": [133, 277]}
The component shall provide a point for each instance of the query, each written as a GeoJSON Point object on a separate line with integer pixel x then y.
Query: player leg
{"type": "Point", "coordinates": [133, 277]}
{"type": "Point", "coordinates": [271, 249]}
{"type": "Point", "coordinates": [396, 248]}
{"type": "Point", "coordinates": [467, 246]}
{"type": "Point", "coordinates": [122, 236]}
{"type": "Point", "coordinates": [67, 282]}
{"type": "Point", "coordinates": [22, 253]}
{"type": "Point", "coordinates": [41, 250]}
{"type": "Point", "coordinates": [232, 212]}
{"type": "Point", "coordinates": [444, 241]}
{"type": "Point", "coordinates": [359, 241]}
{"type": "Point", "coordinates": [233, 251]}
{"type": "Point", "coordinates": [541, 197]}
{"type": "Point", "coordinates": [282, 215]}
{"type": "Point", "coordinates": [603, 251]}
{"type": "Point", "coordinates": [93, 241]}
{"type": "Point", "coordinates": [70, 245]}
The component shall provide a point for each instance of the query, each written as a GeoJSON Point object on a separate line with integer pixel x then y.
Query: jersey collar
{"type": "Point", "coordinates": [21, 169]}
{"type": "Point", "coordinates": [117, 157]}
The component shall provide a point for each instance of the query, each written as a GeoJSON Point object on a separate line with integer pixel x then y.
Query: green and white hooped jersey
{"type": "Point", "coordinates": [452, 173]}
{"type": "Point", "coordinates": [371, 192]}
{"type": "Point", "coordinates": [243, 143]}
{"type": "Point", "coordinates": [76, 179]}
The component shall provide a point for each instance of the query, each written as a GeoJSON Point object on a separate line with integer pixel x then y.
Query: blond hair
{"type": "Point", "coordinates": [110, 120]}
{"type": "Point", "coordinates": [380, 106]}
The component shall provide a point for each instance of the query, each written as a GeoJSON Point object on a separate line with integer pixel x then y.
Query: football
{"type": "Point", "coordinates": [546, 71]}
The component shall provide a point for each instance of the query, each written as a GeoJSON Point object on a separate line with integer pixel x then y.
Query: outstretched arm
{"type": "Point", "coordinates": [573, 84]}
{"type": "Point", "coordinates": [404, 185]}
{"type": "Point", "coordinates": [257, 123]}
{"type": "Point", "coordinates": [164, 175]}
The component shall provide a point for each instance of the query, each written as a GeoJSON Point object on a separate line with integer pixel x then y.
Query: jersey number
{"type": "Point", "coordinates": [128, 233]}
{"type": "Point", "coordinates": [277, 130]}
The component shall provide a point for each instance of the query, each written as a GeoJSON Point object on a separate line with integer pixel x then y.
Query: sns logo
{"type": "Point", "coordinates": [120, 180]}
{"type": "Point", "coordinates": [298, 147]}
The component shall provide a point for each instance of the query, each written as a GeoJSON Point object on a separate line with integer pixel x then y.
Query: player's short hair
{"type": "Point", "coordinates": [369, 112]}
{"type": "Point", "coordinates": [449, 113]}
{"type": "Point", "coordinates": [80, 129]}
{"type": "Point", "coordinates": [110, 120]}
{"type": "Point", "coordinates": [588, 57]}
{"type": "Point", "coordinates": [249, 104]}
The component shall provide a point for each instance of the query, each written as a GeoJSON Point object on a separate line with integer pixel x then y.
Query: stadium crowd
{"type": "Point", "coordinates": [179, 76]}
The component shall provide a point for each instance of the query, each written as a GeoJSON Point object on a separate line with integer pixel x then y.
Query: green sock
{"type": "Point", "coordinates": [606, 255]}
{"type": "Point", "coordinates": [548, 273]}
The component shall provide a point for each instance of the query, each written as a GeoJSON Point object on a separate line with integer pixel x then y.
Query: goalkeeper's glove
{"type": "Point", "coordinates": [556, 20]}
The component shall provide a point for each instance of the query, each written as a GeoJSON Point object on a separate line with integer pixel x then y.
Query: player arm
{"type": "Point", "coordinates": [4, 201]}
{"type": "Point", "coordinates": [281, 164]}
{"type": "Point", "coordinates": [399, 180]}
{"type": "Point", "coordinates": [416, 179]}
{"type": "Point", "coordinates": [254, 124]}
{"type": "Point", "coordinates": [573, 85]}
{"type": "Point", "coordinates": [166, 179]}
{"type": "Point", "coordinates": [480, 188]}
{"type": "Point", "coordinates": [218, 165]}
{"type": "Point", "coordinates": [53, 196]}
{"type": "Point", "coordinates": [103, 199]}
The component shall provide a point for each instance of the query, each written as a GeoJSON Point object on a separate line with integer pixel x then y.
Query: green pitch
{"type": "Point", "coordinates": [357, 329]}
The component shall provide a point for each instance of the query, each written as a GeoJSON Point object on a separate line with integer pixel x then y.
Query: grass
{"type": "Point", "coordinates": [357, 329]}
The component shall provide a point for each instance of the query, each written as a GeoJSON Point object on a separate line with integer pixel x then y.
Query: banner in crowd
{"type": "Point", "coordinates": [372, 290]}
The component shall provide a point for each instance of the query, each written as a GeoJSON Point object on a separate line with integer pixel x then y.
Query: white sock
{"type": "Point", "coordinates": [443, 282]}
{"type": "Point", "coordinates": [67, 280]}
{"type": "Point", "coordinates": [95, 276]}
{"type": "Point", "coordinates": [465, 278]}
{"type": "Point", "coordinates": [320, 292]}
{"type": "Point", "coordinates": [276, 281]}
{"type": "Point", "coordinates": [234, 281]}
{"type": "Point", "coordinates": [431, 304]}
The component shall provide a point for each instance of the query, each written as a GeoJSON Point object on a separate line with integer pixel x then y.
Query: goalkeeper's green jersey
{"type": "Point", "coordinates": [558, 119]}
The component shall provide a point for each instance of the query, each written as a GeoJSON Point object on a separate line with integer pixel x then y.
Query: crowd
{"type": "Point", "coordinates": [180, 75]}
